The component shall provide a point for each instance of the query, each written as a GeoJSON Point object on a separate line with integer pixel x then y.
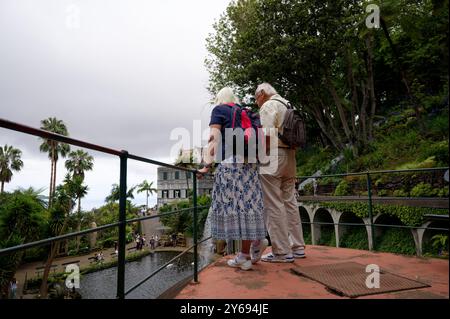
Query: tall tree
{"type": "Point", "coordinates": [9, 161]}
{"type": "Point", "coordinates": [54, 149]}
{"type": "Point", "coordinates": [63, 204]}
{"type": "Point", "coordinates": [323, 58]}
{"type": "Point", "coordinates": [114, 196]}
{"type": "Point", "coordinates": [75, 186]}
{"type": "Point", "coordinates": [22, 219]}
{"type": "Point", "coordinates": [148, 189]}
{"type": "Point", "coordinates": [79, 162]}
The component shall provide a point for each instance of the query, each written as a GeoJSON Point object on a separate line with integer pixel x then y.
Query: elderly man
{"type": "Point", "coordinates": [278, 182]}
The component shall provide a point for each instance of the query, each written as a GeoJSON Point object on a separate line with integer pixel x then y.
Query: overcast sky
{"type": "Point", "coordinates": [119, 73]}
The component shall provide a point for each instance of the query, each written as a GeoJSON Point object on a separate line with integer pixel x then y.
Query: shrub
{"type": "Point", "coordinates": [400, 193]}
{"type": "Point", "coordinates": [356, 238]}
{"type": "Point", "coordinates": [382, 193]}
{"type": "Point", "coordinates": [442, 192]}
{"type": "Point", "coordinates": [342, 189]}
{"type": "Point", "coordinates": [327, 237]}
{"type": "Point", "coordinates": [423, 190]}
{"type": "Point", "coordinates": [399, 241]}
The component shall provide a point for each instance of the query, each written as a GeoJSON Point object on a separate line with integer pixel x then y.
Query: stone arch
{"type": "Point", "coordinates": [380, 232]}
{"type": "Point", "coordinates": [322, 215]}
{"type": "Point", "coordinates": [425, 235]}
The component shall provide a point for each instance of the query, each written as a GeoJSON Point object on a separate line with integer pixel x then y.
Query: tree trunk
{"type": "Point", "coordinates": [53, 251]}
{"type": "Point", "coordinates": [319, 119]}
{"type": "Point", "coordinates": [339, 107]}
{"type": "Point", "coordinates": [3, 185]}
{"type": "Point", "coordinates": [50, 194]}
{"type": "Point", "coordinates": [352, 85]}
{"type": "Point", "coordinates": [333, 127]}
{"type": "Point", "coordinates": [79, 223]}
{"type": "Point", "coordinates": [146, 205]}
{"type": "Point", "coordinates": [51, 257]}
{"type": "Point", "coordinates": [54, 178]}
{"type": "Point", "coordinates": [371, 85]}
{"type": "Point", "coordinates": [362, 115]}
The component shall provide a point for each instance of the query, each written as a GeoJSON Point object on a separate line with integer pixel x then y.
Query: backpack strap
{"type": "Point", "coordinates": [235, 108]}
{"type": "Point", "coordinates": [288, 105]}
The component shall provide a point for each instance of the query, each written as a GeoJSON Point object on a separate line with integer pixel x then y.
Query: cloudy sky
{"type": "Point", "coordinates": [119, 73]}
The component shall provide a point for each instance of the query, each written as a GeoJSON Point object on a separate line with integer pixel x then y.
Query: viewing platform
{"type": "Point", "coordinates": [278, 281]}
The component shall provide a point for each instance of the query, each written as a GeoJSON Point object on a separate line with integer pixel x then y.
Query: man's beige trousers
{"type": "Point", "coordinates": [280, 204]}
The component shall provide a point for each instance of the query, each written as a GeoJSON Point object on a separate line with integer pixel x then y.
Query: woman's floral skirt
{"type": "Point", "coordinates": [237, 210]}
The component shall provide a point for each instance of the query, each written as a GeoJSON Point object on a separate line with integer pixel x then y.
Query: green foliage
{"type": "Point", "coordinates": [410, 216]}
{"type": "Point", "coordinates": [396, 240]}
{"type": "Point", "coordinates": [423, 190]}
{"type": "Point", "coordinates": [307, 234]}
{"type": "Point", "coordinates": [400, 193]}
{"type": "Point", "coordinates": [312, 159]}
{"type": "Point", "coordinates": [356, 238]}
{"type": "Point", "coordinates": [440, 242]}
{"type": "Point", "coordinates": [382, 193]}
{"type": "Point", "coordinates": [182, 222]}
{"type": "Point", "coordinates": [342, 189]}
{"type": "Point", "coordinates": [443, 192]}
{"type": "Point", "coordinates": [327, 236]}
{"type": "Point", "coordinates": [22, 214]}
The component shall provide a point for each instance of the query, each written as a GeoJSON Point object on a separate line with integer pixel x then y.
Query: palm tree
{"type": "Point", "coordinates": [9, 161]}
{"type": "Point", "coordinates": [148, 188]}
{"type": "Point", "coordinates": [54, 149]}
{"type": "Point", "coordinates": [79, 162]}
{"type": "Point", "coordinates": [75, 186]}
{"type": "Point", "coordinates": [114, 196]}
{"type": "Point", "coordinates": [64, 203]}
{"type": "Point", "coordinates": [35, 194]}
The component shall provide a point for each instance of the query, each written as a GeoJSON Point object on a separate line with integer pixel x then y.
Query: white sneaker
{"type": "Point", "coordinates": [257, 251]}
{"type": "Point", "coordinates": [299, 253]}
{"type": "Point", "coordinates": [277, 258]}
{"type": "Point", "coordinates": [240, 262]}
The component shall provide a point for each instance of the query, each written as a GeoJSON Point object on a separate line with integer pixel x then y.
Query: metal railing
{"type": "Point", "coordinates": [121, 224]}
{"type": "Point", "coordinates": [368, 176]}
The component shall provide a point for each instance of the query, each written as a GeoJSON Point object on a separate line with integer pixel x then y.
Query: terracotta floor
{"type": "Point", "coordinates": [275, 280]}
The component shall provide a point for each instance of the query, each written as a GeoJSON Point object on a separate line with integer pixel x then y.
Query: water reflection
{"type": "Point", "coordinates": [103, 284]}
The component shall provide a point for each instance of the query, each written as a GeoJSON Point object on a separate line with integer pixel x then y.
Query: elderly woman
{"type": "Point", "coordinates": [237, 211]}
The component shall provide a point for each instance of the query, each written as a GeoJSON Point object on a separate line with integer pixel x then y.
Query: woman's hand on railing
{"type": "Point", "coordinates": [202, 171]}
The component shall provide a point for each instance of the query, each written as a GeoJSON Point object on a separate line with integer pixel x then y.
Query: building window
{"type": "Point", "coordinates": [165, 194]}
{"type": "Point", "coordinates": [164, 175]}
{"type": "Point", "coordinates": [177, 193]}
{"type": "Point", "coordinates": [177, 175]}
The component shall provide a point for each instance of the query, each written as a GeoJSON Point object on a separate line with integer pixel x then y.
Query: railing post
{"type": "Point", "coordinates": [122, 226]}
{"type": "Point", "coordinates": [369, 194]}
{"type": "Point", "coordinates": [194, 182]}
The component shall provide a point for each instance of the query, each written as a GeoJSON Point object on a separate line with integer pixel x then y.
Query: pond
{"type": "Point", "coordinates": [103, 284]}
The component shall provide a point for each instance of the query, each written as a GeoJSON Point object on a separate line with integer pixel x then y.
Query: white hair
{"type": "Point", "coordinates": [225, 96]}
{"type": "Point", "coordinates": [267, 88]}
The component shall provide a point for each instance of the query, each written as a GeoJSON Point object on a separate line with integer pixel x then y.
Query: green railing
{"type": "Point", "coordinates": [368, 176]}
{"type": "Point", "coordinates": [121, 224]}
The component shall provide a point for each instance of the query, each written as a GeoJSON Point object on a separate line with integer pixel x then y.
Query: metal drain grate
{"type": "Point", "coordinates": [349, 279]}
